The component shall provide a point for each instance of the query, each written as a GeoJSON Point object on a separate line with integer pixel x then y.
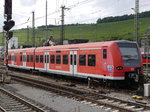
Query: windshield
{"type": "Point", "coordinates": [129, 53]}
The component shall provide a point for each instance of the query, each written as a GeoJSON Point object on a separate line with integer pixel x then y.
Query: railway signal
{"type": "Point", "coordinates": [8, 25]}
{"type": "Point", "coordinates": [8, 9]}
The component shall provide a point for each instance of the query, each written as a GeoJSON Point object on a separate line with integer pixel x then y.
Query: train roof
{"type": "Point", "coordinates": [83, 45]}
{"type": "Point", "coordinates": [74, 46]}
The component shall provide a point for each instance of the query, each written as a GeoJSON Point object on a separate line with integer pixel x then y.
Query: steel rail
{"type": "Point", "coordinates": [2, 109]}
{"type": "Point", "coordinates": [79, 95]}
{"type": "Point", "coordinates": [33, 107]}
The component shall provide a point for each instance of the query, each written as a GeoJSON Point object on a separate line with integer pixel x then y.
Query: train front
{"type": "Point", "coordinates": [132, 61]}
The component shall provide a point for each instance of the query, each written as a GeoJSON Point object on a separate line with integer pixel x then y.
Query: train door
{"type": "Point", "coordinates": [46, 62]}
{"type": "Point", "coordinates": [73, 62]}
{"type": "Point", "coordinates": [24, 59]}
{"type": "Point", "coordinates": [104, 59]}
{"type": "Point", "coordinates": [12, 58]}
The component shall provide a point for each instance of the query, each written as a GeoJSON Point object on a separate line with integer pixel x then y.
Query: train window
{"type": "Point", "coordinates": [65, 59]}
{"type": "Point", "coordinates": [37, 58]}
{"type": "Point", "coordinates": [31, 58]}
{"type": "Point", "coordinates": [15, 57]}
{"type": "Point", "coordinates": [75, 59]}
{"type": "Point", "coordinates": [91, 60]}
{"type": "Point", "coordinates": [58, 59]}
{"type": "Point", "coordinates": [20, 58]}
{"type": "Point", "coordinates": [27, 58]}
{"type": "Point", "coordinates": [24, 58]}
{"type": "Point", "coordinates": [104, 53]}
{"type": "Point", "coordinates": [146, 56]}
{"type": "Point", "coordinates": [52, 59]}
{"type": "Point", "coordinates": [71, 59]}
{"type": "Point", "coordinates": [82, 60]}
{"type": "Point", "coordinates": [46, 58]}
{"type": "Point", "coordinates": [41, 58]}
{"type": "Point", "coordinates": [12, 58]}
{"type": "Point", "coordinates": [9, 57]}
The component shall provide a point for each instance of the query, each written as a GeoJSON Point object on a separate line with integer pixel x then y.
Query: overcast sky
{"type": "Point", "coordinates": [81, 11]}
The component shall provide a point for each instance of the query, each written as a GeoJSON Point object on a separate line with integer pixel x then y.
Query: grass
{"type": "Point", "coordinates": [93, 32]}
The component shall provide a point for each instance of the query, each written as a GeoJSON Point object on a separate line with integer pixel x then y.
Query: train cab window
{"type": "Point", "coordinates": [65, 59]}
{"type": "Point", "coordinates": [58, 59]}
{"type": "Point", "coordinates": [41, 58]}
{"type": "Point", "coordinates": [52, 59]}
{"type": "Point", "coordinates": [104, 53]}
{"type": "Point", "coordinates": [20, 58]}
{"type": "Point", "coordinates": [82, 60]}
{"type": "Point", "coordinates": [91, 60]}
{"type": "Point", "coordinates": [37, 58]}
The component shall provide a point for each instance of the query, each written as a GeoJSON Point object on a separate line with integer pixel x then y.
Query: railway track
{"type": "Point", "coordinates": [86, 96]}
{"type": "Point", "coordinates": [12, 103]}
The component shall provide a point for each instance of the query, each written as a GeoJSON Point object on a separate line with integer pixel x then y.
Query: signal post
{"type": "Point", "coordinates": [8, 24]}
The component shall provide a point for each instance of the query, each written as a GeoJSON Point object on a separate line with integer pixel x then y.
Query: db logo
{"type": "Point", "coordinates": [132, 69]}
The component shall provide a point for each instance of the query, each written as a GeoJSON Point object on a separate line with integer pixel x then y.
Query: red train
{"type": "Point", "coordinates": [145, 58]}
{"type": "Point", "coordinates": [111, 60]}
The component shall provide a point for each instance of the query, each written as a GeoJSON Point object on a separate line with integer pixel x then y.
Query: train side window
{"type": "Point", "coordinates": [91, 60]}
{"type": "Point", "coordinates": [27, 58]}
{"type": "Point", "coordinates": [75, 62]}
{"type": "Point", "coordinates": [37, 58]}
{"type": "Point", "coordinates": [65, 59]}
{"type": "Point", "coordinates": [23, 58]}
{"type": "Point", "coordinates": [46, 58]}
{"type": "Point", "coordinates": [41, 58]}
{"type": "Point", "coordinates": [146, 56]}
{"type": "Point", "coordinates": [20, 58]}
{"type": "Point", "coordinates": [82, 60]}
{"type": "Point", "coordinates": [52, 59]}
{"type": "Point", "coordinates": [31, 58]}
{"type": "Point", "coordinates": [71, 59]}
{"type": "Point", "coordinates": [104, 53]}
{"type": "Point", "coordinates": [15, 58]}
{"type": "Point", "coordinates": [58, 59]}
{"type": "Point", "coordinates": [9, 57]}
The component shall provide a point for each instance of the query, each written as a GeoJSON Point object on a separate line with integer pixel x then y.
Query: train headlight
{"type": "Point", "coordinates": [119, 68]}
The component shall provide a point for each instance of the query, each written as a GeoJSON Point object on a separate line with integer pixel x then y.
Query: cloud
{"type": "Point", "coordinates": [28, 2]}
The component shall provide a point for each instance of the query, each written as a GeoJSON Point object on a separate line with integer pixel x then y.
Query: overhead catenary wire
{"type": "Point", "coordinates": [75, 5]}
{"type": "Point", "coordinates": [105, 15]}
